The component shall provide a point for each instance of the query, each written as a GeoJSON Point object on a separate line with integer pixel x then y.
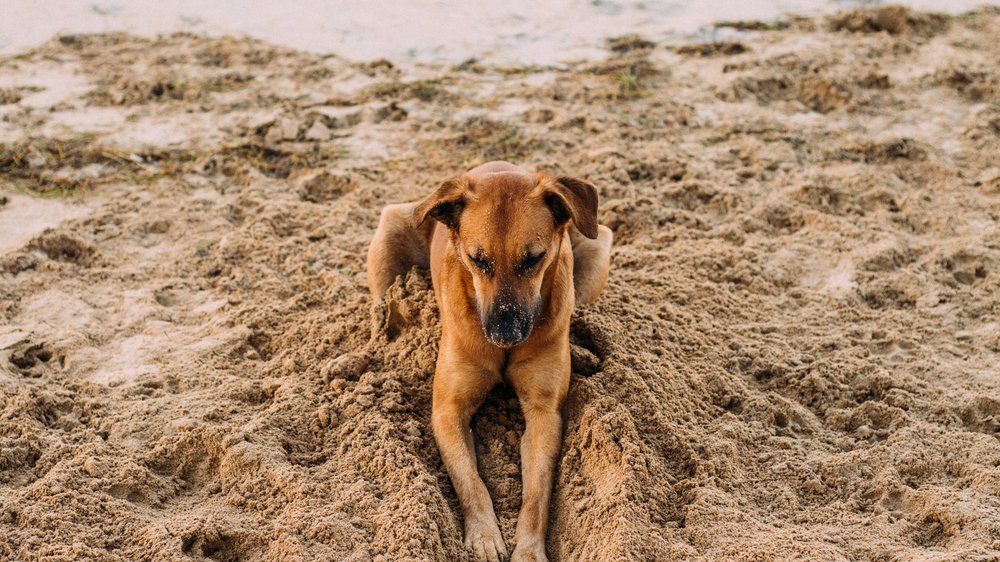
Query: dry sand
{"type": "Point", "coordinates": [796, 356]}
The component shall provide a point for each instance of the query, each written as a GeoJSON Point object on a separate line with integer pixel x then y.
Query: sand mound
{"type": "Point", "coordinates": [796, 355]}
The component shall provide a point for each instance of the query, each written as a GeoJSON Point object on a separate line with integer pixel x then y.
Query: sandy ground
{"type": "Point", "coordinates": [512, 31]}
{"type": "Point", "coordinates": [797, 355]}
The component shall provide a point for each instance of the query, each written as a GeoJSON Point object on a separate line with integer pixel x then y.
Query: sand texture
{"type": "Point", "coordinates": [797, 355]}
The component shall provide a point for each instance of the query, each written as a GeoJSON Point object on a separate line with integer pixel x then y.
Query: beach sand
{"type": "Point", "coordinates": [797, 355]}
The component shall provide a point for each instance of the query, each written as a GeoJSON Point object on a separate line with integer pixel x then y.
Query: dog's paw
{"type": "Point", "coordinates": [483, 538]}
{"type": "Point", "coordinates": [529, 551]}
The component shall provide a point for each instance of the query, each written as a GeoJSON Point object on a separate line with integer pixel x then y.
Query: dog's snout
{"type": "Point", "coordinates": [508, 323]}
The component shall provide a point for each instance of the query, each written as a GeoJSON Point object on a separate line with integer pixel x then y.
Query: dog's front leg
{"type": "Point", "coordinates": [459, 389]}
{"type": "Point", "coordinates": [541, 386]}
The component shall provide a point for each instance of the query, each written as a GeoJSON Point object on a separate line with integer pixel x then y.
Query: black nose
{"type": "Point", "coordinates": [507, 324]}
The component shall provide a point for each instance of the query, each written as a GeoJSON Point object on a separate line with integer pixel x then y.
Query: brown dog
{"type": "Point", "coordinates": [511, 254]}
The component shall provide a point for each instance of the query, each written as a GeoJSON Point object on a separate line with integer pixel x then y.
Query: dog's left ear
{"type": "Point", "coordinates": [572, 198]}
{"type": "Point", "coordinates": [444, 205]}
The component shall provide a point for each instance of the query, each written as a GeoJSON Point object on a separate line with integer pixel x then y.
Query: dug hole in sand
{"type": "Point", "coordinates": [796, 356]}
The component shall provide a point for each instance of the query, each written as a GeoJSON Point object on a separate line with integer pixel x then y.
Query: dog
{"type": "Point", "coordinates": [511, 255]}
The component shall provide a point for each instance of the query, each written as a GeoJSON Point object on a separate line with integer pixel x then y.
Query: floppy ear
{"type": "Point", "coordinates": [444, 205]}
{"type": "Point", "coordinates": [571, 198]}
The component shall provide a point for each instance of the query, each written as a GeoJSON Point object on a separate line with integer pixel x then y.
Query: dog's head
{"type": "Point", "coordinates": [507, 229]}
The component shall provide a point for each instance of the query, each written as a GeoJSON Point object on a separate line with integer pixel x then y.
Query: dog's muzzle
{"type": "Point", "coordinates": [508, 323]}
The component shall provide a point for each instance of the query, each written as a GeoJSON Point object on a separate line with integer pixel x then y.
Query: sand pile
{"type": "Point", "coordinates": [796, 355]}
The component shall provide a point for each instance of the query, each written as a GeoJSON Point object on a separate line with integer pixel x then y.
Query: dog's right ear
{"type": "Point", "coordinates": [444, 205]}
{"type": "Point", "coordinates": [570, 198]}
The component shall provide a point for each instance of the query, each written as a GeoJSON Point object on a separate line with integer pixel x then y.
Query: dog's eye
{"type": "Point", "coordinates": [529, 262]}
{"type": "Point", "coordinates": [480, 263]}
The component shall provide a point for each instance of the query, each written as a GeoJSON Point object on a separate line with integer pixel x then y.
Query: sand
{"type": "Point", "coordinates": [508, 32]}
{"type": "Point", "coordinates": [796, 356]}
